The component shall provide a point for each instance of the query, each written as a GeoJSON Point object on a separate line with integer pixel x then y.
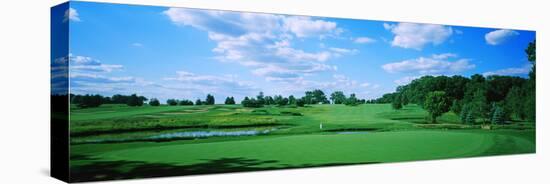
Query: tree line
{"type": "Point", "coordinates": [316, 96]}
{"type": "Point", "coordinates": [494, 99]}
{"type": "Point", "coordinates": [89, 100]}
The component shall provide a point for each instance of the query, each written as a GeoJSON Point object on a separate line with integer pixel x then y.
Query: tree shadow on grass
{"type": "Point", "coordinates": [113, 170]}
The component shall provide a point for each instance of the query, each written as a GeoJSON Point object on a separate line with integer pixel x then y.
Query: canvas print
{"type": "Point", "coordinates": [148, 91]}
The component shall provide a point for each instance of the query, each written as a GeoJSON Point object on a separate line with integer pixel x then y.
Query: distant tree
{"type": "Point", "coordinates": [154, 102]}
{"type": "Point", "coordinates": [209, 100]}
{"type": "Point", "coordinates": [119, 99]}
{"type": "Point", "coordinates": [135, 100]}
{"type": "Point", "coordinates": [76, 99]}
{"type": "Point", "coordinates": [282, 101]}
{"type": "Point", "coordinates": [229, 101]}
{"type": "Point", "coordinates": [320, 97]}
{"type": "Point", "coordinates": [245, 101]}
{"type": "Point", "coordinates": [277, 99]}
{"type": "Point", "coordinates": [260, 98]}
{"type": "Point", "coordinates": [172, 102]}
{"type": "Point", "coordinates": [268, 100]}
{"type": "Point", "coordinates": [436, 104]}
{"type": "Point", "coordinates": [291, 100]}
{"type": "Point", "coordinates": [300, 102]}
{"type": "Point", "coordinates": [198, 102]}
{"type": "Point", "coordinates": [185, 102]}
{"type": "Point", "coordinates": [352, 100]}
{"type": "Point", "coordinates": [251, 102]}
{"type": "Point", "coordinates": [396, 102]}
{"type": "Point", "coordinates": [88, 101]}
{"type": "Point", "coordinates": [315, 97]}
{"type": "Point", "coordinates": [338, 97]}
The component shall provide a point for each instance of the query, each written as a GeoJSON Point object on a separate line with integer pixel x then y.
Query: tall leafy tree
{"type": "Point", "coordinates": [530, 87]}
{"type": "Point", "coordinates": [338, 97]}
{"type": "Point", "coordinates": [396, 102]}
{"type": "Point", "coordinates": [229, 100]}
{"type": "Point", "coordinates": [261, 98]}
{"type": "Point", "coordinates": [209, 100]}
{"type": "Point", "coordinates": [479, 104]}
{"type": "Point", "coordinates": [436, 104]}
{"type": "Point", "coordinates": [291, 100]}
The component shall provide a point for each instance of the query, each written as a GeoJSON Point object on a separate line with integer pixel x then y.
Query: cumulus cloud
{"type": "Point", "coordinates": [305, 26]}
{"type": "Point", "coordinates": [71, 15]}
{"type": "Point", "coordinates": [364, 40]}
{"type": "Point", "coordinates": [436, 64]}
{"type": "Point", "coordinates": [511, 71]}
{"type": "Point", "coordinates": [499, 36]}
{"type": "Point", "coordinates": [416, 36]}
{"type": "Point", "coordinates": [262, 42]}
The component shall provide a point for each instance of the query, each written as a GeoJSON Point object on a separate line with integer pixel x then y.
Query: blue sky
{"type": "Point", "coordinates": [187, 53]}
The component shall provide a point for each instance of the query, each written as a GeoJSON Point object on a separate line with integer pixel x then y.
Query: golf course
{"type": "Point", "coordinates": [116, 141]}
{"type": "Point", "coordinates": [151, 91]}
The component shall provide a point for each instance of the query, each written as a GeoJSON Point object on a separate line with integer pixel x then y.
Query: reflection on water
{"type": "Point", "coordinates": [183, 135]}
{"type": "Point", "coordinates": [199, 134]}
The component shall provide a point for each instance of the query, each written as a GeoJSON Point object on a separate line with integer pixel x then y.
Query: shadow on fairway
{"type": "Point", "coordinates": [110, 170]}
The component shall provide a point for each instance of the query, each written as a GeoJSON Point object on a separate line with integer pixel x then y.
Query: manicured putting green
{"type": "Point", "coordinates": [319, 149]}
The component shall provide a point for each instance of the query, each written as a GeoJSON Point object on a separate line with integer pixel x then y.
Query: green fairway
{"type": "Point", "coordinates": [287, 137]}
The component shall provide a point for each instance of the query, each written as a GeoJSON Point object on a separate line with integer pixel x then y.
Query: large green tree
{"type": "Point", "coordinates": [210, 100]}
{"type": "Point", "coordinates": [436, 104]}
{"type": "Point", "coordinates": [338, 97]}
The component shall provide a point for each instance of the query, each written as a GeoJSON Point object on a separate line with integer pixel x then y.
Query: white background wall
{"type": "Point", "coordinates": [24, 90]}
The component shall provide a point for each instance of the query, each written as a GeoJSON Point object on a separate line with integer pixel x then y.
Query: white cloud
{"type": "Point", "coordinates": [405, 80]}
{"type": "Point", "coordinates": [416, 36]}
{"type": "Point", "coordinates": [511, 71]}
{"type": "Point", "coordinates": [71, 15]}
{"type": "Point", "coordinates": [437, 64]}
{"type": "Point", "coordinates": [263, 42]}
{"type": "Point", "coordinates": [97, 78]}
{"type": "Point", "coordinates": [344, 50]}
{"type": "Point", "coordinates": [88, 64]}
{"type": "Point", "coordinates": [444, 56]}
{"type": "Point", "coordinates": [306, 27]}
{"type": "Point", "coordinates": [364, 40]}
{"type": "Point", "coordinates": [499, 36]}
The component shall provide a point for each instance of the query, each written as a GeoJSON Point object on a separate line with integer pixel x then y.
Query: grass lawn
{"type": "Point", "coordinates": [370, 133]}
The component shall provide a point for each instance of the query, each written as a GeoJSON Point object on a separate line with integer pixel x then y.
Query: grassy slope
{"type": "Point", "coordinates": [319, 149]}
{"type": "Point", "coordinates": [303, 144]}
